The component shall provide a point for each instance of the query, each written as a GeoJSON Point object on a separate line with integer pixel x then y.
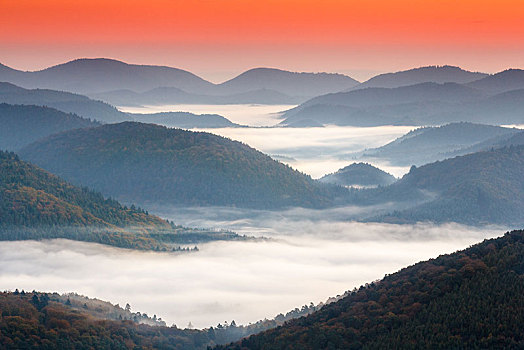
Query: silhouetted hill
{"type": "Point", "coordinates": [63, 101]}
{"type": "Point", "coordinates": [475, 189]}
{"type": "Point", "coordinates": [147, 163]}
{"type": "Point", "coordinates": [184, 120]}
{"type": "Point", "coordinates": [471, 299]}
{"type": "Point", "coordinates": [102, 74]}
{"type": "Point", "coordinates": [101, 77]}
{"type": "Point", "coordinates": [289, 83]}
{"type": "Point", "coordinates": [433, 74]}
{"type": "Point", "coordinates": [35, 204]}
{"type": "Point", "coordinates": [429, 144]}
{"type": "Point", "coordinates": [22, 125]}
{"type": "Point", "coordinates": [511, 79]}
{"type": "Point", "coordinates": [408, 105]}
{"type": "Point", "coordinates": [360, 175]}
{"type": "Point", "coordinates": [170, 95]}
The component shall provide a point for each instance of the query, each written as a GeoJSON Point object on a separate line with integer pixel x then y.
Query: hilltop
{"type": "Point", "coordinates": [147, 163]}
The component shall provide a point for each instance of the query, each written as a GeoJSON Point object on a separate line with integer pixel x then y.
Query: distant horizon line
{"type": "Point", "coordinates": [346, 72]}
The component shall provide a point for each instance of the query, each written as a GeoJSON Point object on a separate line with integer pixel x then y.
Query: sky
{"type": "Point", "coordinates": [218, 39]}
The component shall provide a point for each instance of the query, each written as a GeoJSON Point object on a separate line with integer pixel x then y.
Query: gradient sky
{"type": "Point", "coordinates": [220, 38]}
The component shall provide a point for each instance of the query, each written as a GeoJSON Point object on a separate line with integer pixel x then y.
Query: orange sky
{"type": "Point", "coordinates": [218, 38]}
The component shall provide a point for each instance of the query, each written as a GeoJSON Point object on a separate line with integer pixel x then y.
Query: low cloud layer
{"type": "Point", "coordinates": [305, 262]}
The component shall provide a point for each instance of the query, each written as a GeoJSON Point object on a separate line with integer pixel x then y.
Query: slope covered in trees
{"type": "Point", "coordinates": [469, 299]}
{"type": "Point", "coordinates": [429, 144]}
{"type": "Point", "coordinates": [147, 163]}
{"type": "Point", "coordinates": [63, 101]}
{"type": "Point", "coordinates": [22, 125]}
{"type": "Point", "coordinates": [35, 204]}
{"type": "Point", "coordinates": [478, 188]}
{"type": "Point", "coordinates": [359, 174]}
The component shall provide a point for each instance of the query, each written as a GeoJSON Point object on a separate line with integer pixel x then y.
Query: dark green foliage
{"type": "Point", "coordinates": [35, 204]}
{"type": "Point", "coordinates": [359, 174]}
{"type": "Point", "coordinates": [22, 125]}
{"type": "Point", "coordinates": [150, 163]}
{"type": "Point", "coordinates": [472, 299]}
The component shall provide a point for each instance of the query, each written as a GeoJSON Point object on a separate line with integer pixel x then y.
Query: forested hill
{"type": "Point", "coordinates": [147, 163]}
{"type": "Point", "coordinates": [35, 204]}
{"type": "Point", "coordinates": [359, 174]}
{"type": "Point", "coordinates": [22, 125]}
{"type": "Point", "coordinates": [63, 101]}
{"type": "Point", "coordinates": [480, 188]}
{"type": "Point", "coordinates": [472, 299]}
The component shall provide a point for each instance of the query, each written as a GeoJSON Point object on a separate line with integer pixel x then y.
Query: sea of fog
{"type": "Point", "coordinates": [304, 261]}
{"type": "Point", "coordinates": [314, 151]}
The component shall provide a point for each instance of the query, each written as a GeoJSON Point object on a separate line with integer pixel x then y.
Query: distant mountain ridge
{"type": "Point", "coordinates": [63, 101]}
{"type": "Point", "coordinates": [433, 74]}
{"type": "Point", "coordinates": [102, 75]}
{"type": "Point", "coordinates": [22, 124]}
{"type": "Point", "coordinates": [428, 144]}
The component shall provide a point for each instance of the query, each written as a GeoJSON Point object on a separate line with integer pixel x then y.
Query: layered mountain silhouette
{"type": "Point", "coordinates": [433, 74]}
{"type": "Point", "coordinates": [359, 175]}
{"type": "Point", "coordinates": [63, 101]}
{"type": "Point", "coordinates": [421, 104]}
{"type": "Point", "coordinates": [511, 79]}
{"type": "Point", "coordinates": [147, 163]}
{"type": "Point", "coordinates": [22, 125]}
{"type": "Point", "coordinates": [468, 299]}
{"type": "Point", "coordinates": [106, 78]}
{"type": "Point", "coordinates": [429, 144]}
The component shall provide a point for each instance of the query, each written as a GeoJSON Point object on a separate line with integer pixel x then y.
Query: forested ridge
{"type": "Point", "coordinates": [35, 204]}
{"type": "Point", "coordinates": [22, 125]}
{"type": "Point", "coordinates": [147, 163]}
{"type": "Point", "coordinates": [471, 299]}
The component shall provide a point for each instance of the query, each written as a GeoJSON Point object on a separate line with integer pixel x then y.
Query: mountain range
{"type": "Point", "coordinates": [494, 99]}
{"type": "Point", "coordinates": [101, 75]}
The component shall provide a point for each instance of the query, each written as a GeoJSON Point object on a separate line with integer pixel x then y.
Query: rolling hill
{"type": "Point", "coordinates": [429, 74]}
{"type": "Point", "coordinates": [359, 175]}
{"type": "Point", "coordinates": [35, 204]}
{"type": "Point", "coordinates": [475, 189]}
{"type": "Point", "coordinates": [469, 299]}
{"type": "Point", "coordinates": [429, 144]}
{"type": "Point", "coordinates": [407, 105]}
{"type": "Point", "coordinates": [184, 120]}
{"type": "Point", "coordinates": [63, 101]}
{"type": "Point", "coordinates": [102, 74]}
{"type": "Point", "coordinates": [289, 83]}
{"type": "Point", "coordinates": [147, 163]}
{"type": "Point", "coordinates": [22, 125]}
{"type": "Point", "coordinates": [116, 82]}
{"type": "Point", "coordinates": [511, 79]}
